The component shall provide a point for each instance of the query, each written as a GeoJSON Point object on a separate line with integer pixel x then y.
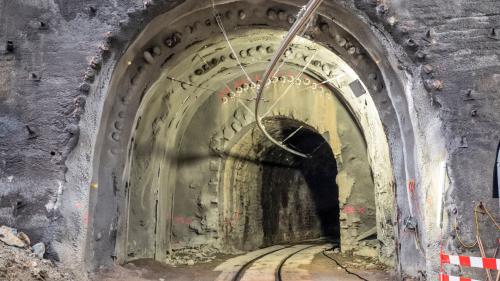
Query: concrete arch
{"type": "Point", "coordinates": [157, 47]}
{"type": "Point", "coordinates": [328, 117]}
{"type": "Point", "coordinates": [296, 88]}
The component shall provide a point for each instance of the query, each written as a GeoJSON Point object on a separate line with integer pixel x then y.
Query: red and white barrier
{"type": "Point", "coordinates": [445, 277]}
{"type": "Point", "coordinates": [486, 263]}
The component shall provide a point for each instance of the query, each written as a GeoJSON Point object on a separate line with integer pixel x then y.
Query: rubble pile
{"type": "Point", "coordinates": [19, 261]}
{"type": "Point", "coordinates": [353, 261]}
{"type": "Point", "coordinates": [190, 256]}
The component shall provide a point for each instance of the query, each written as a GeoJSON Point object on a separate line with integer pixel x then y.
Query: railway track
{"type": "Point", "coordinates": [278, 263]}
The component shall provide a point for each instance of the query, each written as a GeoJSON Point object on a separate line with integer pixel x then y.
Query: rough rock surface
{"type": "Point", "coordinates": [190, 256]}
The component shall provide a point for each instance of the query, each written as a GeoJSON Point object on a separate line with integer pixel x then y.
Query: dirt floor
{"type": "Point", "coordinates": [322, 268]}
{"type": "Point", "coordinates": [20, 264]}
{"type": "Point", "coordinates": [339, 267]}
{"type": "Point", "coordinates": [146, 270]}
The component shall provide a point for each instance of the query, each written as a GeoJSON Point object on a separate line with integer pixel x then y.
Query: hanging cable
{"type": "Point", "coordinates": [224, 33]}
{"type": "Point", "coordinates": [305, 14]}
{"type": "Point", "coordinates": [476, 222]}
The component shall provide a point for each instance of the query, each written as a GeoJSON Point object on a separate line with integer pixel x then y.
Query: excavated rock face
{"type": "Point", "coordinates": [126, 128]}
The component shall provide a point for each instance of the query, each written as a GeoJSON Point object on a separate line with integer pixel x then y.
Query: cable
{"type": "Point", "coordinates": [476, 221]}
{"type": "Point", "coordinates": [490, 215]}
{"type": "Point", "coordinates": [344, 268]}
{"type": "Point", "coordinates": [302, 20]}
{"type": "Point", "coordinates": [221, 26]}
{"type": "Point", "coordinates": [468, 246]}
{"type": "Point", "coordinates": [190, 84]}
{"type": "Point", "coordinates": [289, 86]}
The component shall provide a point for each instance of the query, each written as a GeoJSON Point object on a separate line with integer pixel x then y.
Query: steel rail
{"type": "Point", "coordinates": [244, 268]}
{"type": "Point", "coordinates": [303, 18]}
{"type": "Point", "coordinates": [282, 263]}
{"type": "Point", "coordinates": [310, 243]}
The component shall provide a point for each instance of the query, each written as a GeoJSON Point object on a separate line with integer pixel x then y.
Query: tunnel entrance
{"type": "Point", "coordinates": [182, 165]}
{"type": "Point", "coordinates": [276, 197]}
{"type": "Point", "coordinates": [299, 197]}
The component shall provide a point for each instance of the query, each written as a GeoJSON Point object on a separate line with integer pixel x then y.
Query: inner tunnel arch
{"type": "Point", "coordinates": [136, 75]}
{"type": "Point", "coordinates": [286, 198]}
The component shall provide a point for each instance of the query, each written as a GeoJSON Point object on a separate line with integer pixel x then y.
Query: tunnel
{"type": "Point", "coordinates": [288, 198]}
{"type": "Point", "coordinates": [181, 163]}
{"type": "Point", "coordinates": [139, 133]}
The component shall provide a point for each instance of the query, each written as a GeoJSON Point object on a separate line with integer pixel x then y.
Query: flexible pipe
{"type": "Point", "coordinates": [301, 22]}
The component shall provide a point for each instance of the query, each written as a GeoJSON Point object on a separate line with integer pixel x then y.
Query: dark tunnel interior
{"type": "Point", "coordinates": [299, 196]}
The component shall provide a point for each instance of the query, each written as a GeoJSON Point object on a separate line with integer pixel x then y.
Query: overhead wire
{"type": "Point", "coordinates": [190, 84]}
{"type": "Point", "coordinates": [304, 16]}
{"type": "Point", "coordinates": [224, 33]}
{"type": "Point", "coordinates": [289, 87]}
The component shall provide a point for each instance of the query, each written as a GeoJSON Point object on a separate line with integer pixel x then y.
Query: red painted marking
{"type": "Point", "coordinates": [183, 220]}
{"type": "Point", "coordinates": [238, 83]}
{"type": "Point", "coordinates": [86, 218]}
{"type": "Point", "coordinates": [287, 74]}
{"type": "Point", "coordinates": [349, 209]}
{"type": "Point", "coordinates": [234, 218]}
{"type": "Point", "coordinates": [411, 185]}
{"type": "Point", "coordinates": [224, 92]}
{"type": "Point", "coordinates": [258, 77]}
{"type": "Point", "coordinates": [78, 205]}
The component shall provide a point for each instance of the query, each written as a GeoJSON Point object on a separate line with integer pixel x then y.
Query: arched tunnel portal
{"type": "Point", "coordinates": [180, 162]}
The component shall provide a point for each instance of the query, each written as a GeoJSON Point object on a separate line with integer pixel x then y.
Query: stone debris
{"type": "Point", "coordinates": [191, 256]}
{"type": "Point", "coordinates": [11, 237]}
{"type": "Point", "coordinates": [355, 261]}
{"type": "Point", "coordinates": [19, 263]}
{"type": "Point", "coordinates": [39, 250]}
